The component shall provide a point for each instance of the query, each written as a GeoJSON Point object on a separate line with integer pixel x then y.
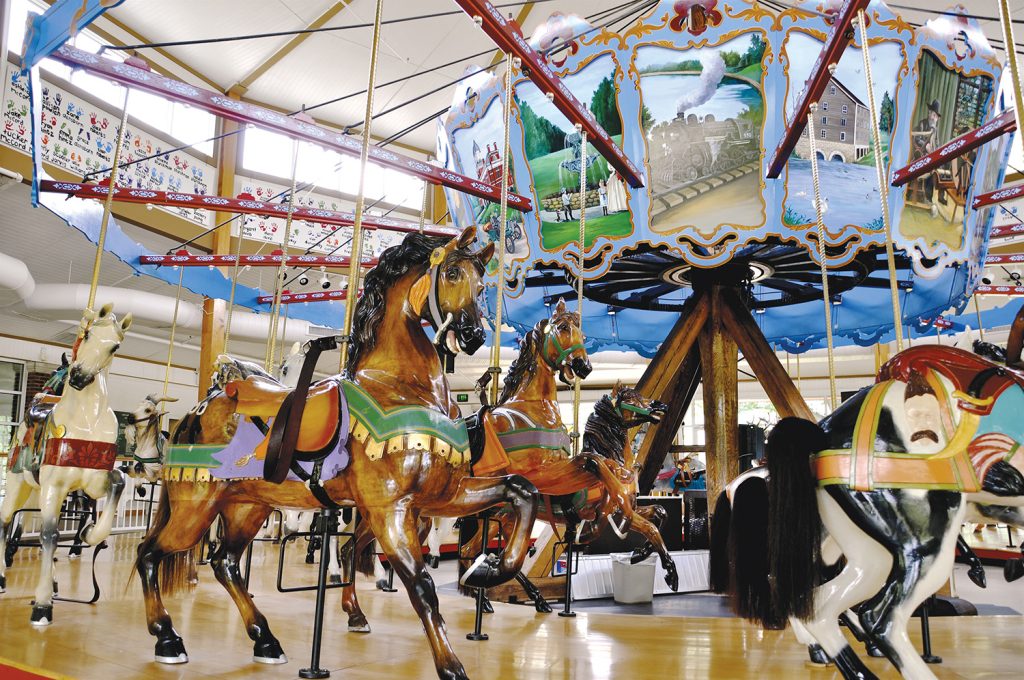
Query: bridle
{"type": "Point", "coordinates": [551, 339]}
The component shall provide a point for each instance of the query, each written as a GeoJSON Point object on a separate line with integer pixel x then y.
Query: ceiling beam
{"type": "Point", "coordinates": [524, 13]}
{"type": "Point", "coordinates": [245, 83]}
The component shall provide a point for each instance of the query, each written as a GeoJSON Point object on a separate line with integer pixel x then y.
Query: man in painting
{"type": "Point", "coordinates": [567, 205]}
{"type": "Point", "coordinates": [925, 138]}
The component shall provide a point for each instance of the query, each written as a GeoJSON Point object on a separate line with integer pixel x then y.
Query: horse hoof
{"type": "Point", "coordinates": [873, 651]}
{"type": "Point", "coordinates": [3, 584]}
{"type": "Point", "coordinates": [817, 655]}
{"type": "Point", "coordinates": [481, 573]}
{"type": "Point", "coordinates": [364, 628]}
{"type": "Point", "coordinates": [269, 652]}
{"type": "Point", "coordinates": [542, 607]}
{"type": "Point", "coordinates": [42, 615]}
{"type": "Point", "coordinates": [171, 651]}
{"type": "Point", "coordinates": [977, 576]}
{"type": "Point", "coordinates": [1013, 570]}
{"type": "Point", "coordinates": [334, 578]}
{"type": "Point", "coordinates": [488, 608]}
{"type": "Point", "coordinates": [382, 584]}
{"type": "Point", "coordinates": [435, 561]}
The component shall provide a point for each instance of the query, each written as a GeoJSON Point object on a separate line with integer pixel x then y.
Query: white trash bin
{"type": "Point", "coordinates": [632, 583]}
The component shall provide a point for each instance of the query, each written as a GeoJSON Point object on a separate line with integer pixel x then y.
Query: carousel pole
{"type": "Point", "coordinates": [977, 311]}
{"type": "Point", "coordinates": [822, 255]}
{"type": "Point", "coordinates": [423, 207]}
{"type": "Point", "coordinates": [170, 342]}
{"type": "Point", "coordinates": [495, 368]}
{"type": "Point", "coordinates": [883, 182]}
{"type": "Point", "coordinates": [1006, 22]}
{"type": "Point", "coordinates": [275, 308]}
{"type": "Point", "coordinates": [108, 204]}
{"type": "Point", "coordinates": [234, 284]}
{"type": "Point", "coordinates": [577, 384]}
{"type": "Point", "coordinates": [356, 257]}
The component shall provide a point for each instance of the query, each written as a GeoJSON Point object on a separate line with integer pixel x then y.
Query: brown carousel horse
{"type": "Point", "coordinates": [593, 487]}
{"type": "Point", "coordinates": [386, 441]}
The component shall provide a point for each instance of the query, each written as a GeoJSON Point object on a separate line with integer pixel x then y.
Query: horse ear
{"type": "Point", "coordinates": [467, 237]}
{"type": "Point", "coordinates": [485, 254]}
{"type": "Point", "coordinates": [64, 363]}
{"type": "Point", "coordinates": [296, 348]}
{"type": "Point", "coordinates": [88, 316]}
{"type": "Point", "coordinates": [106, 309]}
{"type": "Point", "coordinates": [126, 322]}
{"type": "Point", "coordinates": [617, 388]}
{"type": "Point", "coordinates": [560, 307]}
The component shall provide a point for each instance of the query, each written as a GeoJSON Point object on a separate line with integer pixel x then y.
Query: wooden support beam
{"type": "Point", "coordinates": [777, 384]}
{"type": "Point", "coordinates": [719, 356]}
{"type": "Point", "coordinates": [508, 36]}
{"type": "Point", "coordinates": [255, 74]}
{"type": "Point", "coordinates": [1006, 231]}
{"type": "Point", "coordinates": [999, 290]}
{"type": "Point", "coordinates": [1011, 258]}
{"type": "Point", "coordinates": [1000, 195]}
{"type": "Point", "coordinates": [998, 126]}
{"type": "Point", "coordinates": [290, 126]}
{"type": "Point", "coordinates": [838, 38]}
{"type": "Point", "coordinates": [671, 377]}
{"type": "Point", "coordinates": [658, 442]}
{"type": "Point", "coordinates": [187, 259]}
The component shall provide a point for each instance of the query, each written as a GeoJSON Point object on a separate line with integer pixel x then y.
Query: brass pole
{"type": "Point", "coordinates": [977, 311]}
{"type": "Point", "coordinates": [577, 385]}
{"type": "Point", "coordinates": [108, 204]}
{"type": "Point", "coordinates": [275, 308]}
{"type": "Point", "coordinates": [495, 368]}
{"type": "Point", "coordinates": [423, 207]}
{"type": "Point", "coordinates": [822, 254]}
{"type": "Point", "coordinates": [170, 341]}
{"type": "Point", "coordinates": [1011, 60]}
{"type": "Point", "coordinates": [356, 257]}
{"type": "Point", "coordinates": [883, 184]}
{"type": "Point", "coordinates": [234, 284]}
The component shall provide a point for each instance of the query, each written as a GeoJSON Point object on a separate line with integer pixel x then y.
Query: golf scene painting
{"type": "Point", "coordinates": [555, 154]}
{"type": "Point", "coordinates": [843, 141]}
{"type": "Point", "coordinates": [702, 115]}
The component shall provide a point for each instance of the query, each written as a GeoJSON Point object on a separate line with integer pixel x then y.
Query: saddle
{"type": "Point", "coordinates": [258, 397]}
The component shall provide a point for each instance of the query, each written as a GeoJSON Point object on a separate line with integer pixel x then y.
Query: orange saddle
{"type": "Point", "coordinates": [258, 397]}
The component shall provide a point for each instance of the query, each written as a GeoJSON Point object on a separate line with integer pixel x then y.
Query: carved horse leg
{"type": "Point", "coordinates": [54, 485]}
{"type": "Point", "coordinates": [242, 521]}
{"type": "Point", "coordinates": [178, 527]}
{"type": "Point", "coordinates": [363, 539]}
{"type": "Point", "coordinates": [397, 535]}
{"type": "Point", "coordinates": [621, 499]}
{"type": "Point", "coordinates": [918, 528]}
{"type": "Point", "coordinates": [532, 591]}
{"type": "Point", "coordinates": [18, 492]}
{"type": "Point", "coordinates": [866, 568]}
{"type": "Point", "coordinates": [99, 483]}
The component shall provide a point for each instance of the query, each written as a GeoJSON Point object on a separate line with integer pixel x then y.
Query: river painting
{"type": "Point", "coordinates": [843, 142]}
{"type": "Point", "coordinates": [702, 114]}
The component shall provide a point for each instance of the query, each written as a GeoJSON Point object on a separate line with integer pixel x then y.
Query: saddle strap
{"type": "Point", "coordinates": [312, 481]}
{"type": "Point", "coordinates": [284, 434]}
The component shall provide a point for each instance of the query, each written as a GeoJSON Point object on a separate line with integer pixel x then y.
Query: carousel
{"type": "Point", "coordinates": [711, 190]}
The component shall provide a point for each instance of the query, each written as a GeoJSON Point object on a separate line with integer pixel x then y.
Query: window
{"type": "Point", "coordinates": [823, 135]}
{"type": "Point", "coordinates": [846, 109]}
{"type": "Point", "coordinates": [832, 90]}
{"type": "Point", "coordinates": [12, 393]}
{"type": "Point", "coordinates": [842, 122]}
{"type": "Point", "coordinates": [824, 106]}
{"type": "Point", "coordinates": [842, 136]}
{"type": "Point", "coordinates": [824, 120]}
{"type": "Point", "coordinates": [270, 153]}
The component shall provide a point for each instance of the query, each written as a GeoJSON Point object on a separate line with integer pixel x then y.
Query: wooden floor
{"type": "Point", "coordinates": [109, 639]}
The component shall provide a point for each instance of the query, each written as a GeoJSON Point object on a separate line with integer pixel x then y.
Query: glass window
{"type": "Point", "coordinates": [846, 109]}
{"type": "Point", "coordinates": [833, 89]}
{"type": "Point", "coordinates": [842, 121]}
{"type": "Point", "coordinates": [12, 391]}
{"type": "Point", "coordinates": [823, 134]}
{"type": "Point", "coordinates": [824, 106]}
{"type": "Point", "coordinates": [824, 120]}
{"type": "Point", "coordinates": [11, 376]}
{"type": "Point", "coordinates": [842, 136]}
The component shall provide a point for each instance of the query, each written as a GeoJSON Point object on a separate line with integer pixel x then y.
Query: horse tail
{"type": "Point", "coordinates": [178, 569]}
{"type": "Point", "coordinates": [747, 551]}
{"type": "Point", "coordinates": [718, 560]}
{"type": "Point", "coordinates": [794, 524]}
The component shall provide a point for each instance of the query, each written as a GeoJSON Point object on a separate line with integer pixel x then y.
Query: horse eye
{"type": "Point", "coordinates": [85, 336]}
{"type": "Point", "coordinates": [115, 348]}
{"type": "Point", "coordinates": [453, 273]}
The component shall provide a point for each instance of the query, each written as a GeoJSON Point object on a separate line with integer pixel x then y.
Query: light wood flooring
{"type": "Point", "coordinates": [109, 639]}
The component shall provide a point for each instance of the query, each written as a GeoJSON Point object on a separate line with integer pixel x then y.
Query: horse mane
{"type": "Point", "coordinates": [605, 433]}
{"type": "Point", "coordinates": [394, 263]}
{"type": "Point", "coordinates": [524, 367]}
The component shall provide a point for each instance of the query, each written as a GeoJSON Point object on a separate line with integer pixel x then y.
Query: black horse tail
{"type": "Point", "coordinates": [748, 554]}
{"type": "Point", "coordinates": [794, 524]}
{"type": "Point", "coordinates": [718, 560]}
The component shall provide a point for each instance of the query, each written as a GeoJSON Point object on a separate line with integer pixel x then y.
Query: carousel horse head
{"type": "Point", "coordinates": [99, 337]}
{"type": "Point", "coordinates": [146, 436]}
{"type": "Point", "coordinates": [288, 374]}
{"type": "Point", "coordinates": [562, 348]}
{"type": "Point", "coordinates": [444, 294]}
{"type": "Point", "coordinates": [635, 408]}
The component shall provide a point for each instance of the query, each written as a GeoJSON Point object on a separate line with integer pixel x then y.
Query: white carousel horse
{"type": "Point", "coordinates": [893, 471]}
{"type": "Point", "coordinates": [73, 448]}
{"type": "Point", "coordinates": [147, 438]}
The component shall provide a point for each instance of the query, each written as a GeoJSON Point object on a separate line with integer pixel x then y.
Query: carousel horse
{"type": "Point", "coordinates": [147, 438]}
{"type": "Point", "coordinates": [72, 447]}
{"type": "Point", "coordinates": [592, 487]}
{"type": "Point", "coordinates": [384, 439]}
{"type": "Point", "coordinates": [892, 470]}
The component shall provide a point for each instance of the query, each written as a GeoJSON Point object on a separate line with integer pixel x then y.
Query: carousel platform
{"type": "Point", "coordinates": [109, 639]}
